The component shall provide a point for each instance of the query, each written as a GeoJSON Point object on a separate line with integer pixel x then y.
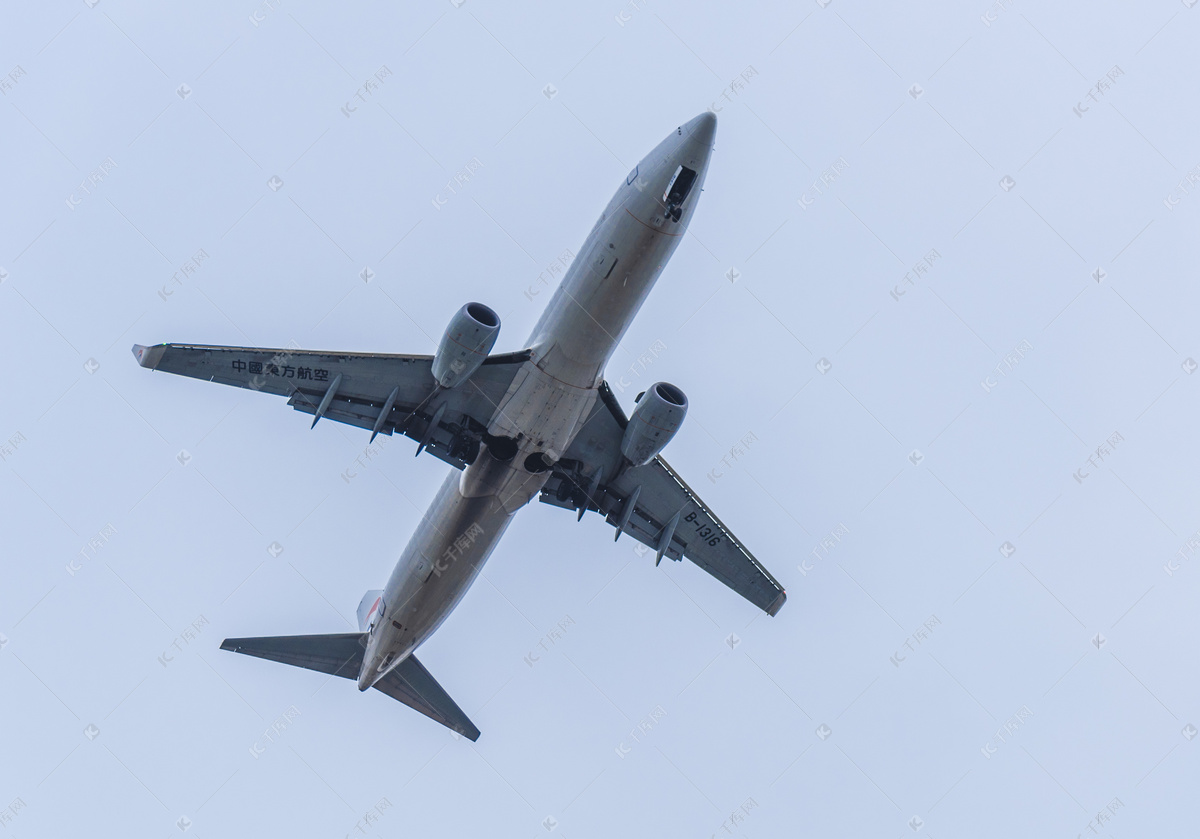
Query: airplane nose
{"type": "Point", "coordinates": [696, 146]}
{"type": "Point", "coordinates": [703, 129]}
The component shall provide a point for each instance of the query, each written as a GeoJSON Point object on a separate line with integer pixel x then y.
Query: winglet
{"type": "Point", "coordinates": [148, 356]}
{"type": "Point", "coordinates": [776, 604]}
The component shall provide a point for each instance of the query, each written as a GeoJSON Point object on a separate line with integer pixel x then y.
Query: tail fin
{"type": "Point", "coordinates": [341, 655]}
{"type": "Point", "coordinates": [369, 608]}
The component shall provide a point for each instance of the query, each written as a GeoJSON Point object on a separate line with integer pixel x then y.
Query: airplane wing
{"type": "Point", "coordinates": [384, 394]}
{"type": "Point", "coordinates": [659, 497]}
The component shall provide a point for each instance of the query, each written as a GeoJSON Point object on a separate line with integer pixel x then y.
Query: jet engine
{"type": "Point", "coordinates": [469, 338]}
{"type": "Point", "coordinates": [658, 415]}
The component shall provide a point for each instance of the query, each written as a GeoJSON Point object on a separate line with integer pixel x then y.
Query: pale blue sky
{"type": "Point", "coordinates": [990, 626]}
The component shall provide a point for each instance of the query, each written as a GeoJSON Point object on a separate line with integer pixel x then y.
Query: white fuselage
{"type": "Point", "coordinates": [543, 408]}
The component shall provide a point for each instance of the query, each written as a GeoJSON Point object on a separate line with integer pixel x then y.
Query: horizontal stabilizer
{"type": "Point", "coordinates": [411, 683]}
{"type": "Point", "coordinates": [342, 655]}
{"type": "Point", "coordinates": [338, 655]}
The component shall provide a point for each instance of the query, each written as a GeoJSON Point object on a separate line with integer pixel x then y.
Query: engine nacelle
{"type": "Point", "coordinates": [657, 417]}
{"type": "Point", "coordinates": [469, 338]}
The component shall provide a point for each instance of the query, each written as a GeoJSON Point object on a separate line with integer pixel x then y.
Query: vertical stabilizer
{"type": "Point", "coordinates": [370, 609]}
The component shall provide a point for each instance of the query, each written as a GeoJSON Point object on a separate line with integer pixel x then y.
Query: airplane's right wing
{"type": "Point", "coordinates": [382, 393]}
{"type": "Point", "coordinates": [654, 505]}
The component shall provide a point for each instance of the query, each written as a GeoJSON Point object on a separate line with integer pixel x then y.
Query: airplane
{"type": "Point", "coordinates": [541, 422]}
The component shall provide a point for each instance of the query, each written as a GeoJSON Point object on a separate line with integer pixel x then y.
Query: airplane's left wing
{"type": "Point", "coordinates": [654, 505]}
{"type": "Point", "coordinates": [381, 393]}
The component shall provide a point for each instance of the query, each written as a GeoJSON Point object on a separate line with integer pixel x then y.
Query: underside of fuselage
{"type": "Point", "coordinates": [541, 413]}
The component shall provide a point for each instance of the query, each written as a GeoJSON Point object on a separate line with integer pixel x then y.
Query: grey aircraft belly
{"type": "Point", "coordinates": [541, 422]}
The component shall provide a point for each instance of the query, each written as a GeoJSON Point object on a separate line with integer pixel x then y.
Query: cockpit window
{"type": "Point", "coordinates": [632, 175]}
{"type": "Point", "coordinates": [677, 191]}
{"type": "Point", "coordinates": [679, 187]}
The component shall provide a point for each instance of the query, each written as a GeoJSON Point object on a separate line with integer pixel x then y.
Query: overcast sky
{"type": "Point", "coordinates": [935, 317]}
